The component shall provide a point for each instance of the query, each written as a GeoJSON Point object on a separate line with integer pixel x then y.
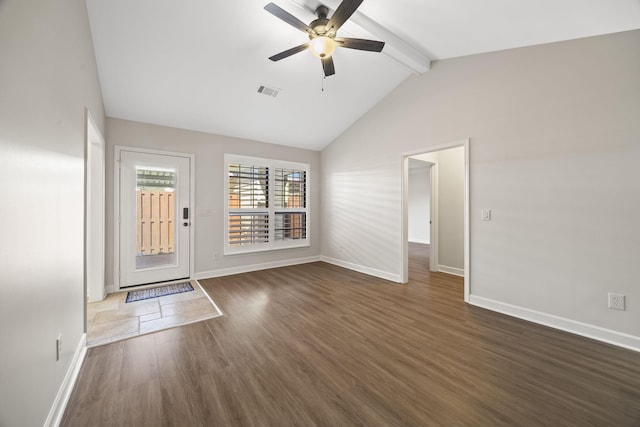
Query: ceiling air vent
{"type": "Point", "coordinates": [269, 91]}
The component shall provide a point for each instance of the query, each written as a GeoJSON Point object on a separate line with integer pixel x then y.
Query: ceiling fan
{"type": "Point", "coordinates": [322, 33]}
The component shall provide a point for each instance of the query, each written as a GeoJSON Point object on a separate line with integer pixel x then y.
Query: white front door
{"type": "Point", "coordinates": [155, 218]}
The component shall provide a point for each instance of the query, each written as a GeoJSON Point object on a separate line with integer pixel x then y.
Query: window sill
{"type": "Point", "coordinates": [266, 248]}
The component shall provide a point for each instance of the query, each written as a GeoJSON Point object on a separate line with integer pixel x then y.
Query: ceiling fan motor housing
{"type": "Point", "coordinates": [320, 27]}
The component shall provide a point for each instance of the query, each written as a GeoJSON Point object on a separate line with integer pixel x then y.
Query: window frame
{"type": "Point", "coordinates": [271, 210]}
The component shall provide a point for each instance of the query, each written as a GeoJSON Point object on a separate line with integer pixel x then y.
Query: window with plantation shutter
{"type": "Point", "coordinates": [266, 204]}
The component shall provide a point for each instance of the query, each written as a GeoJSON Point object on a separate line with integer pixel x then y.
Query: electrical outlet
{"type": "Point", "coordinates": [58, 347]}
{"type": "Point", "coordinates": [616, 301]}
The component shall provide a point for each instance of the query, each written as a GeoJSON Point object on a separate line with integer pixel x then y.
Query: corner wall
{"type": "Point", "coordinates": [48, 76]}
{"type": "Point", "coordinates": [555, 140]}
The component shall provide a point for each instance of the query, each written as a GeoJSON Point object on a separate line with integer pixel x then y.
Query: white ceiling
{"type": "Point", "coordinates": [198, 64]}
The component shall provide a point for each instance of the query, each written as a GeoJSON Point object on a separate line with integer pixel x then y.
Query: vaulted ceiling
{"type": "Point", "coordinates": [198, 64]}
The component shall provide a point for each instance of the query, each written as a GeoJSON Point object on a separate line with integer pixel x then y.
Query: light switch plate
{"type": "Point", "coordinates": [486, 214]}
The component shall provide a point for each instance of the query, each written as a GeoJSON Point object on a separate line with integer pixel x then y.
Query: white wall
{"type": "Point", "coordinates": [419, 214]}
{"type": "Point", "coordinates": [554, 134]}
{"type": "Point", "coordinates": [209, 153]}
{"type": "Point", "coordinates": [47, 77]}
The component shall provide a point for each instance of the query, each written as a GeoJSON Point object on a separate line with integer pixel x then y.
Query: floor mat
{"type": "Point", "coordinates": [176, 288]}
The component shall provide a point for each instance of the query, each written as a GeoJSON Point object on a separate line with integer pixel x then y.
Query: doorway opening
{"type": "Point", "coordinates": [423, 211]}
{"type": "Point", "coordinates": [435, 206]}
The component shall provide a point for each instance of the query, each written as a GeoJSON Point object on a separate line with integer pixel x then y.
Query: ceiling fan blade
{"type": "Point", "coordinates": [287, 53]}
{"type": "Point", "coordinates": [342, 13]}
{"type": "Point", "coordinates": [327, 66]}
{"type": "Point", "coordinates": [360, 44]}
{"type": "Point", "coordinates": [279, 12]}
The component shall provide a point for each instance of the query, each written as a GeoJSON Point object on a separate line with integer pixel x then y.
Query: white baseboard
{"type": "Point", "coordinates": [254, 267]}
{"type": "Point", "coordinates": [451, 270]}
{"type": "Point", "coordinates": [105, 293]}
{"type": "Point", "coordinates": [64, 392]}
{"type": "Point", "coordinates": [363, 269]}
{"type": "Point", "coordinates": [609, 336]}
{"type": "Point", "coordinates": [109, 289]}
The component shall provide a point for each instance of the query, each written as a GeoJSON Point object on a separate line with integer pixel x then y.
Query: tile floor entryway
{"type": "Point", "coordinates": [112, 319]}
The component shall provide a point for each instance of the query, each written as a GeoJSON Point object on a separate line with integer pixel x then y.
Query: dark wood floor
{"type": "Point", "coordinates": [319, 345]}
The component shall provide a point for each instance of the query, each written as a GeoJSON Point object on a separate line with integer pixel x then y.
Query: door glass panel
{"type": "Point", "coordinates": [155, 217]}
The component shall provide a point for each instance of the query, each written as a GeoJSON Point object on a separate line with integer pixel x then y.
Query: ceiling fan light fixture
{"type": "Point", "coordinates": [322, 33]}
{"type": "Point", "coordinates": [322, 46]}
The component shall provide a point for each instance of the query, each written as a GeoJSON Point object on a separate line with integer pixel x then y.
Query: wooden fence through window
{"type": "Point", "coordinates": [155, 214]}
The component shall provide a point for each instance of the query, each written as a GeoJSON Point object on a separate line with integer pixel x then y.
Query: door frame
{"type": "Point", "coordinates": [404, 244]}
{"type": "Point", "coordinates": [116, 211]}
{"type": "Point", "coordinates": [94, 192]}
